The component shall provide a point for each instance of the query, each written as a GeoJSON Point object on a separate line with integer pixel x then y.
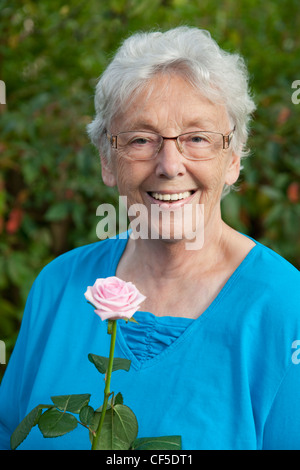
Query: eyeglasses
{"type": "Point", "coordinates": [198, 145]}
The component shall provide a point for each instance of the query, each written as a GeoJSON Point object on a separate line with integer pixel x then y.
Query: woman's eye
{"type": "Point", "coordinates": [197, 139]}
{"type": "Point", "coordinates": [139, 141]}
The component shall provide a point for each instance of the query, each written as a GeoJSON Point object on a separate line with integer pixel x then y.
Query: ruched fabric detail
{"type": "Point", "coordinates": [152, 335]}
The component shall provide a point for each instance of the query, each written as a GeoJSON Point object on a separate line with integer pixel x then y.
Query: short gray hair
{"type": "Point", "coordinates": [191, 52]}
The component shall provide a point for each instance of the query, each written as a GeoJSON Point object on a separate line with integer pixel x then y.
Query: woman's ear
{"type": "Point", "coordinates": [233, 169]}
{"type": "Point", "coordinates": [108, 175]}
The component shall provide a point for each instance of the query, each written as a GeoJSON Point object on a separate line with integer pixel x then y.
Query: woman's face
{"type": "Point", "coordinates": [171, 108]}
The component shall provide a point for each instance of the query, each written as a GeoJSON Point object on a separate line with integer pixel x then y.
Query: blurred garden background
{"type": "Point", "coordinates": [51, 54]}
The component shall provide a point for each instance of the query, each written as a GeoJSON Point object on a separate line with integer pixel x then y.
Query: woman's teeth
{"type": "Point", "coordinates": [171, 197]}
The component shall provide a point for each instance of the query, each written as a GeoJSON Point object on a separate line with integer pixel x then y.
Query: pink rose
{"type": "Point", "coordinates": [114, 298]}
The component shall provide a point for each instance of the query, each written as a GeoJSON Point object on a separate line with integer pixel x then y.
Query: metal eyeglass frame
{"type": "Point", "coordinates": [113, 139]}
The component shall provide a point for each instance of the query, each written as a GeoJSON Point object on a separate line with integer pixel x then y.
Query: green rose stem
{"type": "Point", "coordinates": [111, 329]}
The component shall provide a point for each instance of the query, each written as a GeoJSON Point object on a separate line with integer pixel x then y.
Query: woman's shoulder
{"type": "Point", "coordinates": [269, 263]}
{"type": "Point", "coordinates": [262, 266]}
{"type": "Point", "coordinates": [272, 280]}
{"type": "Point", "coordinates": [95, 257]}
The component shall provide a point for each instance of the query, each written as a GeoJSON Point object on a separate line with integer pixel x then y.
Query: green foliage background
{"type": "Point", "coordinates": [51, 53]}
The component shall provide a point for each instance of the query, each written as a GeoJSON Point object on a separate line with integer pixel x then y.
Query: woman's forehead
{"type": "Point", "coordinates": [168, 99]}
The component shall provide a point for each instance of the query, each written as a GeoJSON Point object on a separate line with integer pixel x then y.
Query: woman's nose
{"type": "Point", "coordinates": [170, 162]}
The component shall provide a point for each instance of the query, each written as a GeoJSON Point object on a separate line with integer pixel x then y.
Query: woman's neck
{"type": "Point", "coordinates": [167, 260]}
{"type": "Point", "coordinates": [182, 282]}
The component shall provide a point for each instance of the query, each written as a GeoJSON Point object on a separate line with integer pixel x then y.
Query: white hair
{"type": "Point", "coordinates": [191, 52]}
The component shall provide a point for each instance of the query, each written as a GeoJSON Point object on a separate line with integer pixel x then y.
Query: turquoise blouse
{"type": "Point", "coordinates": [227, 380]}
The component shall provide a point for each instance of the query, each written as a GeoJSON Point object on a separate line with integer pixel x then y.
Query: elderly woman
{"type": "Point", "coordinates": [214, 354]}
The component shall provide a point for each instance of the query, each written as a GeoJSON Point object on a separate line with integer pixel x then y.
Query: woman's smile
{"type": "Point", "coordinates": [171, 199]}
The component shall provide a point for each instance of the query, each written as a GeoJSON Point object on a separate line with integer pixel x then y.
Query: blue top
{"type": "Point", "coordinates": [228, 380]}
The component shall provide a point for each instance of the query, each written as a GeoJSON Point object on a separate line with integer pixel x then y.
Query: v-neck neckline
{"type": "Point", "coordinates": [190, 326]}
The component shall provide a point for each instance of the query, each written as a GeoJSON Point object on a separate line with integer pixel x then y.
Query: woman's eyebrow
{"type": "Point", "coordinates": [204, 124]}
{"type": "Point", "coordinates": [139, 125]}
